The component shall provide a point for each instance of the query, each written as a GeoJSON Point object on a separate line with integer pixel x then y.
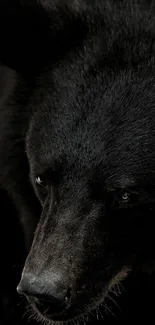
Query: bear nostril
{"type": "Point", "coordinates": [49, 305]}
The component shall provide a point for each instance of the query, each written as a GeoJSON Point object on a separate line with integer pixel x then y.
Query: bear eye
{"type": "Point", "coordinates": [125, 197]}
{"type": "Point", "coordinates": [41, 181]}
{"type": "Point", "coordinates": [117, 200]}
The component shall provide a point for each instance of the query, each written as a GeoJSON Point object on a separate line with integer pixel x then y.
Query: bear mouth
{"type": "Point", "coordinates": [46, 315]}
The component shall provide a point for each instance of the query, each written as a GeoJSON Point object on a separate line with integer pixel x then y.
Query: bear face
{"type": "Point", "coordinates": [90, 147]}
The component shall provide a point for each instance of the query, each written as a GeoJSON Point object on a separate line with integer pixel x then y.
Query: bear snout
{"type": "Point", "coordinates": [50, 296]}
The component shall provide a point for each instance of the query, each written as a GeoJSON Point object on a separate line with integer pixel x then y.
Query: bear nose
{"type": "Point", "coordinates": [50, 297]}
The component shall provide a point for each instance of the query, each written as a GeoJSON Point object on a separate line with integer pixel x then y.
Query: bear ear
{"type": "Point", "coordinates": [31, 30]}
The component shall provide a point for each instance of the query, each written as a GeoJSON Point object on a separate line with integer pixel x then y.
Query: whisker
{"type": "Point", "coordinates": [100, 314]}
{"type": "Point", "coordinates": [108, 309]}
{"type": "Point", "coordinates": [110, 298]}
{"type": "Point", "coordinates": [97, 315]}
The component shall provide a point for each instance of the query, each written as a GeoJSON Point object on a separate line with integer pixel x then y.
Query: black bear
{"type": "Point", "coordinates": [77, 148]}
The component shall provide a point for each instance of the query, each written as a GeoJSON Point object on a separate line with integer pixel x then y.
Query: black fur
{"type": "Point", "coordinates": [83, 121]}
